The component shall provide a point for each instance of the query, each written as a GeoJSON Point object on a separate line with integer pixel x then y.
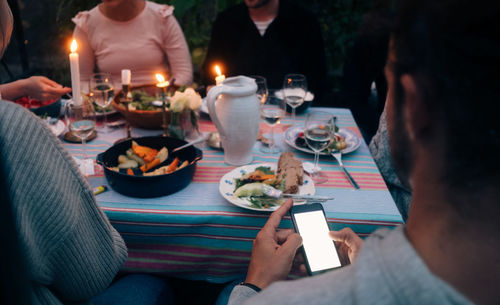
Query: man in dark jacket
{"type": "Point", "coordinates": [269, 38]}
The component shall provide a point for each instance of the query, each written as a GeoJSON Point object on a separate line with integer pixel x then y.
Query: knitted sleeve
{"type": "Point", "coordinates": [71, 248]}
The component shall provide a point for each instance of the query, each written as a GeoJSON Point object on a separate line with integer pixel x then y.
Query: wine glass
{"type": "Point", "coordinates": [272, 111]}
{"type": "Point", "coordinates": [319, 132]}
{"type": "Point", "coordinates": [294, 91]}
{"type": "Point", "coordinates": [81, 120]}
{"type": "Point", "coordinates": [102, 92]}
{"type": "Point", "coordinates": [262, 91]}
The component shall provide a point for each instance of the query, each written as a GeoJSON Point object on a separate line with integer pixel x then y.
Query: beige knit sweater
{"type": "Point", "coordinates": [71, 249]}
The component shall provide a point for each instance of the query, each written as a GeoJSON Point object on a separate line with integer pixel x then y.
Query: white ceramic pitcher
{"type": "Point", "coordinates": [235, 110]}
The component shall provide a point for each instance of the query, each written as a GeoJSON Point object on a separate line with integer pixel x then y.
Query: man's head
{"type": "Point", "coordinates": [6, 25]}
{"type": "Point", "coordinates": [256, 3]}
{"type": "Point", "coordinates": [443, 68]}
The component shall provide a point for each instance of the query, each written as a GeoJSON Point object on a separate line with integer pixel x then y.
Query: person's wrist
{"type": "Point", "coordinates": [256, 281]}
{"type": "Point", "coordinates": [251, 286]}
{"type": "Point", "coordinates": [24, 86]}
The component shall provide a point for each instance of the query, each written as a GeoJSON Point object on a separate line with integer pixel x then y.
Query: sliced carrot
{"type": "Point", "coordinates": [172, 166]}
{"type": "Point", "coordinates": [265, 177]}
{"type": "Point", "coordinates": [130, 172]}
{"type": "Point", "coordinates": [150, 155]}
{"type": "Point", "coordinates": [184, 164]}
{"type": "Point", "coordinates": [150, 165]}
{"type": "Point", "coordinates": [147, 153]}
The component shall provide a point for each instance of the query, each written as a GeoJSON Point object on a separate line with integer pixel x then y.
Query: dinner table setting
{"type": "Point", "coordinates": [188, 181]}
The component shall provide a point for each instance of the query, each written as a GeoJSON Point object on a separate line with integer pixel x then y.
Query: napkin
{"type": "Point", "coordinates": [86, 166]}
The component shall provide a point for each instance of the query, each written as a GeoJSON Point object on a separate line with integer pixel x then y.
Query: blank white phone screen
{"type": "Point", "coordinates": [320, 250]}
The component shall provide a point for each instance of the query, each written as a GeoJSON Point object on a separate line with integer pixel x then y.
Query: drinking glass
{"type": "Point", "coordinates": [102, 92]}
{"type": "Point", "coordinates": [319, 132]}
{"type": "Point", "coordinates": [272, 111]}
{"type": "Point", "coordinates": [294, 91]}
{"type": "Point", "coordinates": [262, 91]}
{"type": "Point", "coordinates": [80, 120]}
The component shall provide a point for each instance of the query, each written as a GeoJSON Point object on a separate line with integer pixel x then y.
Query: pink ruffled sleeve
{"type": "Point", "coordinates": [175, 46]}
{"type": "Point", "coordinates": [80, 20]}
{"type": "Point", "coordinates": [82, 34]}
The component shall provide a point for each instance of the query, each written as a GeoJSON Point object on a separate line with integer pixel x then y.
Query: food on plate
{"type": "Point", "coordinates": [287, 178]}
{"type": "Point", "coordinates": [28, 102]}
{"type": "Point", "coordinates": [290, 171]}
{"type": "Point", "coordinates": [250, 189]}
{"type": "Point", "coordinates": [337, 143]}
{"type": "Point", "coordinates": [260, 174]}
{"type": "Point", "coordinates": [143, 161]}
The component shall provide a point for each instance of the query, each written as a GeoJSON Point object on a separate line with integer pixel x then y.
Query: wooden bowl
{"type": "Point", "coordinates": [148, 119]}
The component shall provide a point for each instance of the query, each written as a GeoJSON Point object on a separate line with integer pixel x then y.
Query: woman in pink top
{"type": "Point", "coordinates": [132, 34]}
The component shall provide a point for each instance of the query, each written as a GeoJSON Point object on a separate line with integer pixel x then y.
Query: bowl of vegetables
{"type": "Point", "coordinates": [145, 167]}
{"type": "Point", "coordinates": [51, 108]}
{"type": "Point", "coordinates": [142, 112]}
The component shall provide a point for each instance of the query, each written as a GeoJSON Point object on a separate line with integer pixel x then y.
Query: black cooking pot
{"type": "Point", "coordinates": [150, 186]}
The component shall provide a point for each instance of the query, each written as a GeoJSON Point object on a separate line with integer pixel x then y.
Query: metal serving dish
{"type": "Point", "coordinates": [150, 186]}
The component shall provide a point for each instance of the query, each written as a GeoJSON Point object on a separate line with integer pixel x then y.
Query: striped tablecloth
{"type": "Point", "coordinates": [196, 234]}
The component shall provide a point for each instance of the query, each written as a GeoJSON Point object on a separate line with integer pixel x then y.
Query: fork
{"type": "Point", "coordinates": [338, 156]}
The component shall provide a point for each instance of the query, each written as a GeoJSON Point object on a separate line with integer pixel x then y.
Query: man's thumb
{"type": "Point", "coordinates": [292, 243]}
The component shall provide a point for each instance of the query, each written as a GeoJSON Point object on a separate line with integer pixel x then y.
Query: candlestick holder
{"type": "Point", "coordinates": [164, 124]}
{"type": "Point", "coordinates": [126, 99]}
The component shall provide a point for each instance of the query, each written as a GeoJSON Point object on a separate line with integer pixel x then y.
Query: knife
{"type": "Point", "coordinates": [275, 193]}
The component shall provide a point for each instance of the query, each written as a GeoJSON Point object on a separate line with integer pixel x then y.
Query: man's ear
{"type": "Point", "coordinates": [416, 112]}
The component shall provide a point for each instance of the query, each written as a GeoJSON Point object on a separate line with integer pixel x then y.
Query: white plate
{"type": "Point", "coordinates": [309, 95]}
{"type": "Point", "coordinates": [57, 128]}
{"type": "Point", "coordinates": [227, 186]}
{"type": "Point", "coordinates": [352, 140]}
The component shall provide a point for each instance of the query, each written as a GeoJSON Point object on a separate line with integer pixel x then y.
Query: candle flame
{"type": "Point", "coordinates": [160, 78]}
{"type": "Point", "coordinates": [217, 70]}
{"type": "Point", "coordinates": [74, 46]}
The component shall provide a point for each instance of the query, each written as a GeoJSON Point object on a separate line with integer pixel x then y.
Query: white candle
{"type": "Point", "coordinates": [220, 77]}
{"type": "Point", "coordinates": [126, 76]}
{"type": "Point", "coordinates": [75, 74]}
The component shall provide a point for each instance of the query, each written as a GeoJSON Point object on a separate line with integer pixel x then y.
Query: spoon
{"type": "Point", "coordinates": [200, 139]}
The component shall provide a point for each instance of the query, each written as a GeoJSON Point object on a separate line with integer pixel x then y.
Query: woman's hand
{"type": "Point", "coordinates": [349, 244]}
{"type": "Point", "coordinates": [42, 88]}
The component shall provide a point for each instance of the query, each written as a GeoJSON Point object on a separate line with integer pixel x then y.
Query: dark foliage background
{"type": "Point", "coordinates": [48, 28]}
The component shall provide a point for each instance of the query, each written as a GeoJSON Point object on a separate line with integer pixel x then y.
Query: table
{"type": "Point", "coordinates": [196, 234]}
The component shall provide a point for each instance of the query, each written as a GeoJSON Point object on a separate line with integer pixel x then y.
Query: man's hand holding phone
{"type": "Point", "coordinates": [273, 251]}
{"type": "Point", "coordinates": [348, 242]}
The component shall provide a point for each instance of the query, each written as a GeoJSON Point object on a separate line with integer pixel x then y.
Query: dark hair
{"type": "Point", "coordinates": [452, 49]}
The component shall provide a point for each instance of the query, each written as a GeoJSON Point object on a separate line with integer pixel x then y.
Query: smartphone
{"type": "Point", "coordinates": [318, 249]}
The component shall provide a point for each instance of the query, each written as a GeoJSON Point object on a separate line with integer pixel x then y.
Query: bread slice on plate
{"type": "Point", "coordinates": [291, 172]}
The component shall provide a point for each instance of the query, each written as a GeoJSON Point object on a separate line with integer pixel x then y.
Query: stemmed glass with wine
{"type": "Point", "coordinates": [294, 91]}
{"type": "Point", "coordinates": [102, 93]}
{"type": "Point", "coordinates": [319, 132]}
{"type": "Point", "coordinates": [272, 111]}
